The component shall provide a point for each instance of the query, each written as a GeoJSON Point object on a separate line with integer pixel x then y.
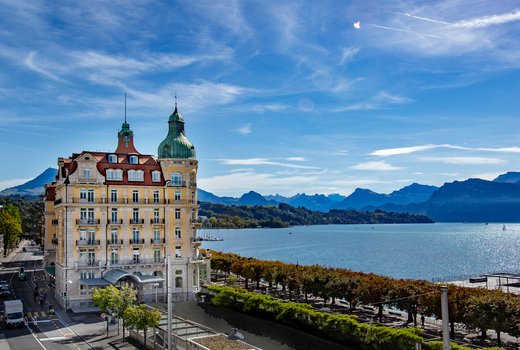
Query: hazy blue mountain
{"type": "Point", "coordinates": [512, 177]}
{"type": "Point", "coordinates": [205, 196]}
{"type": "Point", "coordinates": [252, 198]}
{"type": "Point", "coordinates": [413, 193]}
{"type": "Point", "coordinates": [33, 187]}
{"type": "Point", "coordinates": [475, 200]}
{"type": "Point", "coordinates": [277, 198]}
{"type": "Point", "coordinates": [363, 198]}
{"type": "Point", "coordinates": [315, 202]}
{"type": "Point", "coordinates": [336, 197]}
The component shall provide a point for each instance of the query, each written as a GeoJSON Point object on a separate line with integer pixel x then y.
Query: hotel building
{"type": "Point", "coordinates": [115, 216]}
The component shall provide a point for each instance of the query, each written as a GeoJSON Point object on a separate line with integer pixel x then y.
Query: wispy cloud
{"type": "Point", "coordinates": [32, 65]}
{"type": "Point", "coordinates": [407, 150]}
{"type": "Point", "coordinates": [488, 20]}
{"type": "Point", "coordinates": [375, 166]}
{"type": "Point", "coordinates": [381, 100]}
{"type": "Point", "coordinates": [347, 53]}
{"type": "Point", "coordinates": [246, 129]}
{"type": "Point", "coordinates": [263, 161]}
{"type": "Point", "coordinates": [463, 160]}
{"type": "Point", "coordinates": [296, 159]}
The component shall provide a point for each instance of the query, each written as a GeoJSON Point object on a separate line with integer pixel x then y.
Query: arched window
{"type": "Point", "coordinates": [112, 158]}
{"type": "Point", "coordinates": [176, 179]}
{"type": "Point", "coordinates": [135, 175]}
{"type": "Point", "coordinates": [156, 176]}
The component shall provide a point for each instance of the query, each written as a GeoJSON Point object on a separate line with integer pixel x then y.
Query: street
{"type": "Point", "coordinates": [58, 331]}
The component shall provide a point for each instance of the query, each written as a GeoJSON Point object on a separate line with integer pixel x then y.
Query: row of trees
{"type": "Point", "coordinates": [285, 215]}
{"type": "Point", "coordinates": [120, 303]}
{"type": "Point", "coordinates": [30, 213]}
{"type": "Point", "coordinates": [10, 226]}
{"type": "Point", "coordinates": [477, 308]}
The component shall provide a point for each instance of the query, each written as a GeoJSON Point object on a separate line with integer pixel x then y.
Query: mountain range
{"type": "Point", "coordinates": [472, 200]}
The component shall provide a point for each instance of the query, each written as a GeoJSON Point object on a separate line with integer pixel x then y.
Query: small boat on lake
{"type": "Point", "coordinates": [504, 228]}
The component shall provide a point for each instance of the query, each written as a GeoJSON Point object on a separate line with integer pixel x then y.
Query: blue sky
{"type": "Point", "coordinates": [278, 96]}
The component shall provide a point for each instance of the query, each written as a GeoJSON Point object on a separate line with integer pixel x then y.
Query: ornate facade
{"type": "Point", "coordinates": [116, 216]}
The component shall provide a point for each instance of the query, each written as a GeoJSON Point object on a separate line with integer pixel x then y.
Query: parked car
{"type": "Point", "coordinates": [4, 291]}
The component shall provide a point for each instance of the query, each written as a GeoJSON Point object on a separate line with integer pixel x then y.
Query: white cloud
{"type": "Point", "coordinates": [29, 62]}
{"type": "Point", "coordinates": [407, 150]}
{"type": "Point", "coordinates": [487, 176]}
{"type": "Point", "coordinates": [463, 160]}
{"type": "Point", "coordinates": [238, 183]}
{"type": "Point", "coordinates": [296, 159]}
{"type": "Point", "coordinates": [348, 53]}
{"type": "Point", "coordinates": [376, 166]}
{"type": "Point", "coordinates": [488, 20]}
{"type": "Point", "coordinates": [263, 161]}
{"type": "Point", "coordinates": [246, 129]}
{"type": "Point", "coordinates": [381, 100]}
{"type": "Point", "coordinates": [11, 183]}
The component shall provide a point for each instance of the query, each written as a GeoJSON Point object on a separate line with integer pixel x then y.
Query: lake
{"type": "Point", "coordinates": [440, 251]}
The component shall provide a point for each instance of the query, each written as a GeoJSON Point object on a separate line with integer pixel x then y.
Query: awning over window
{"type": "Point", "coordinates": [51, 270]}
{"type": "Point", "coordinates": [95, 282]}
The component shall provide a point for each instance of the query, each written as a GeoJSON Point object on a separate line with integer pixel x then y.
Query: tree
{"type": "Point", "coordinates": [141, 317]}
{"type": "Point", "coordinates": [113, 300]}
{"type": "Point", "coordinates": [10, 226]}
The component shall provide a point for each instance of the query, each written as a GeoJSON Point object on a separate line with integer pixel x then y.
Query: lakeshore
{"type": "Point", "coordinates": [434, 252]}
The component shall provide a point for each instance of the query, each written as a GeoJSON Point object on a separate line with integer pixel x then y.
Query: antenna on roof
{"type": "Point", "coordinates": [125, 107]}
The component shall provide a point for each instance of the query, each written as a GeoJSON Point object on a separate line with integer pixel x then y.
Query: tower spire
{"type": "Point", "coordinates": [175, 101]}
{"type": "Point", "coordinates": [125, 107]}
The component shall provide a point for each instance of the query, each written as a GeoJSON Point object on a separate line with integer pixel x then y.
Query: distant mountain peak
{"type": "Point", "coordinates": [34, 187]}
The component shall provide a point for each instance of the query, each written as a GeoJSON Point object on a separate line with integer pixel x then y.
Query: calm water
{"type": "Point", "coordinates": [418, 251]}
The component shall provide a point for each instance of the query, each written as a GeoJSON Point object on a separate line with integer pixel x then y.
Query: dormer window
{"type": "Point", "coordinates": [112, 158]}
{"type": "Point", "coordinates": [133, 159]}
{"type": "Point", "coordinates": [86, 173]}
{"type": "Point", "coordinates": [135, 175]}
{"type": "Point", "coordinates": [114, 174]}
{"type": "Point", "coordinates": [156, 176]}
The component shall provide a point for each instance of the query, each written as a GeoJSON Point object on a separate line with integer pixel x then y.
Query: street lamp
{"type": "Point", "coordinates": [156, 287]}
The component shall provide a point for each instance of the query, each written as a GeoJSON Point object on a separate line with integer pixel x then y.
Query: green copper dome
{"type": "Point", "coordinates": [176, 144]}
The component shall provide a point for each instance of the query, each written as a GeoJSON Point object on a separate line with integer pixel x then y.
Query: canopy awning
{"type": "Point", "coordinates": [51, 270]}
{"type": "Point", "coordinates": [95, 282]}
{"type": "Point", "coordinates": [113, 276]}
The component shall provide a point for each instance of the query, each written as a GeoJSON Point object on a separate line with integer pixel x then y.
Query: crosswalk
{"type": "Point", "coordinates": [37, 314]}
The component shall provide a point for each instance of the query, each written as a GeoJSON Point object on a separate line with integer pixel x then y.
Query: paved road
{"type": "Point", "coordinates": [44, 331]}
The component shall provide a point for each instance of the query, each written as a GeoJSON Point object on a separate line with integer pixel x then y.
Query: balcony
{"type": "Point", "coordinates": [54, 241]}
{"type": "Point", "coordinates": [136, 221]}
{"type": "Point", "coordinates": [88, 242]}
{"type": "Point", "coordinates": [88, 200]}
{"type": "Point", "coordinates": [55, 222]}
{"type": "Point", "coordinates": [115, 242]}
{"type": "Point", "coordinates": [195, 222]}
{"type": "Point", "coordinates": [158, 241]}
{"type": "Point", "coordinates": [178, 184]}
{"type": "Point", "coordinates": [86, 180]}
{"type": "Point", "coordinates": [157, 221]}
{"type": "Point", "coordinates": [193, 184]}
{"type": "Point", "coordinates": [88, 263]}
{"type": "Point", "coordinates": [87, 221]}
{"type": "Point", "coordinates": [57, 201]}
{"type": "Point", "coordinates": [115, 222]}
{"type": "Point", "coordinates": [136, 241]}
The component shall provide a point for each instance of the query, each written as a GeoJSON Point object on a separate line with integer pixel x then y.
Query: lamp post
{"type": "Point", "coordinates": [156, 287]}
